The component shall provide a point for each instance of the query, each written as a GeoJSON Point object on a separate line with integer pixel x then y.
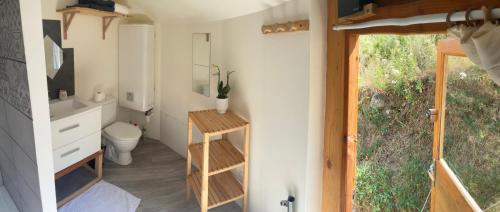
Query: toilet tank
{"type": "Point", "coordinates": [108, 108]}
{"type": "Point", "coordinates": [136, 66]}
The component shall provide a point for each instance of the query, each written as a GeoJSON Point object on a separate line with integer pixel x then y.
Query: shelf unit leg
{"type": "Point", "coordinates": [245, 168]}
{"type": "Point", "coordinates": [98, 165]}
{"type": "Point", "coordinates": [204, 174]}
{"type": "Point", "coordinates": [188, 172]}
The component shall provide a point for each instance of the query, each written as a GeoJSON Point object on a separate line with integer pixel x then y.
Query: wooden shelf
{"type": "Point", "coordinates": [367, 12]}
{"type": "Point", "coordinates": [90, 11]}
{"type": "Point", "coordinates": [212, 123]}
{"type": "Point", "coordinates": [223, 156]}
{"type": "Point", "coordinates": [69, 14]}
{"type": "Point", "coordinates": [213, 183]}
{"type": "Point", "coordinates": [223, 188]}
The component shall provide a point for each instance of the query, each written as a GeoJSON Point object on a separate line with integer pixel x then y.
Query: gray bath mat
{"type": "Point", "coordinates": [103, 197]}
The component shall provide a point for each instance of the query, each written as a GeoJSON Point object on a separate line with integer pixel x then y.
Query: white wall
{"type": "Point", "coordinates": [317, 74]}
{"type": "Point", "coordinates": [35, 63]}
{"type": "Point", "coordinates": [96, 60]}
{"type": "Point", "coordinates": [270, 89]}
{"type": "Point", "coordinates": [177, 98]}
{"type": "Point", "coordinates": [278, 87]}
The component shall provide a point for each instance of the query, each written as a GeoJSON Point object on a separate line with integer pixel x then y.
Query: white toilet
{"type": "Point", "coordinates": [120, 138]}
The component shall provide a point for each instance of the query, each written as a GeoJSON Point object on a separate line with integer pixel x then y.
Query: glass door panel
{"type": "Point", "coordinates": [471, 146]}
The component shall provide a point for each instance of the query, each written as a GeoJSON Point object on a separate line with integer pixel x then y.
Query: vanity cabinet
{"type": "Point", "coordinates": [76, 137]}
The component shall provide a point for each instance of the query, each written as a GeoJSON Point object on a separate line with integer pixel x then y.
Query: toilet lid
{"type": "Point", "coordinates": [123, 131]}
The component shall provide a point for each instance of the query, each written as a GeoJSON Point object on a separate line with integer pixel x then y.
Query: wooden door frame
{"type": "Point", "coordinates": [341, 112]}
{"type": "Point", "coordinates": [337, 169]}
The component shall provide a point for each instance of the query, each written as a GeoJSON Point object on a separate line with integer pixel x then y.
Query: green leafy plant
{"type": "Point", "coordinates": [222, 90]}
{"type": "Point", "coordinates": [374, 187]}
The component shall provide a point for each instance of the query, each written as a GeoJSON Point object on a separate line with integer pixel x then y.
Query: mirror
{"type": "Point", "coordinates": [201, 63]}
{"type": "Point", "coordinates": [53, 57]}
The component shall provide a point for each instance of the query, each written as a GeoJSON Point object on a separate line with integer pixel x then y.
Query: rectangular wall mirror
{"type": "Point", "coordinates": [201, 63]}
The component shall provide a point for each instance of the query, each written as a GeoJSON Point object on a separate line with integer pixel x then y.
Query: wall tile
{"type": "Point", "coordinates": [17, 145]}
{"type": "Point", "coordinates": [6, 145]}
{"type": "Point", "coordinates": [27, 169]}
{"type": "Point", "coordinates": [13, 74]}
{"type": "Point", "coordinates": [20, 128]}
{"type": "Point", "coordinates": [10, 177]}
{"type": "Point", "coordinates": [12, 187]}
{"type": "Point", "coordinates": [11, 31]}
{"type": "Point", "coordinates": [20, 176]}
{"type": "Point", "coordinates": [14, 85]}
{"type": "Point", "coordinates": [32, 201]}
{"type": "Point", "coordinates": [3, 118]}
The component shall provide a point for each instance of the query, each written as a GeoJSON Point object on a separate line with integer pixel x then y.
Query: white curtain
{"type": "Point", "coordinates": [482, 46]}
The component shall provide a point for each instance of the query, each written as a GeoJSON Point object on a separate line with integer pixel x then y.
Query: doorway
{"type": "Point", "coordinates": [396, 87]}
{"type": "Point", "coordinates": [399, 144]}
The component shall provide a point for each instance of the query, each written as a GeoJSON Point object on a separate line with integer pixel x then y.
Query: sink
{"type": "Point", "coordinates": [76, 131]}
{"type": "Point", "coordinates": [63, 108]}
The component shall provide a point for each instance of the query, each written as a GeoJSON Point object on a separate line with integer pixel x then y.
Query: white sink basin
{"type": "Point", "coordinates": [64, 108]}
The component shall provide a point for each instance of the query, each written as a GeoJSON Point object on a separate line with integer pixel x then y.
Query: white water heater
{"type": "Point", "coordinates": [136, 66]}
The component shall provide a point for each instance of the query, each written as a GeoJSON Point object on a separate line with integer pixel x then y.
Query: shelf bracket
{"type": "Point", "coordinates": [106, 21]}
{"type": "Point", "coordinates": [67, 19]}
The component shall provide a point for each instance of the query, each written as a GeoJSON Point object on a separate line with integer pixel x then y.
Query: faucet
{"type": "Point", "coordinates": [288, 203]}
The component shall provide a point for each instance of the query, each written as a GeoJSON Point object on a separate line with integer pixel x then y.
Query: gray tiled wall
{"type": "Point", "coordinates": [17, 145]}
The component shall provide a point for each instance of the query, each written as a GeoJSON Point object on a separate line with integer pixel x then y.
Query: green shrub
{"type": "Point", "coordinates": [414, 187]}
{"type": "Point", "coordinates": [373, 187]}
{"type": "Point", "coordinates": [367, 152]}
{"type": "Point", "coordinates": [376, 117]}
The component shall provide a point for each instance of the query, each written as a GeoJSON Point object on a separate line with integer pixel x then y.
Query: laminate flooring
{"type": "Point", "coordinates": [157, 175]}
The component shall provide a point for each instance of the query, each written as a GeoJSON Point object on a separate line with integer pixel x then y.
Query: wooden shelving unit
{"type": "Point", "coordinates": [213, 183]}
{"type": "Point", "coordinates": [69, 14]}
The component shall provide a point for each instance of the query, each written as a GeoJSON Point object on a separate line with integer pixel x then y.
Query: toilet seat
{"type": "Point", "coordinates": [120, 131]}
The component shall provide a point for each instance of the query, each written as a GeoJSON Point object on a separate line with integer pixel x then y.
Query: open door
{"type": "Point", "coordinates": [448, 192]}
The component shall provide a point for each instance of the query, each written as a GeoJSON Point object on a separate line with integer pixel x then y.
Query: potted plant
{"type": "Point", "coordinates": [222, 101]}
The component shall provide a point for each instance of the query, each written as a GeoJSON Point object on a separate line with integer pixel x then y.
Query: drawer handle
{"type": "Point", "coordinates": [70, 152]}
{"type": "Point", "coordinates": [69, 128]}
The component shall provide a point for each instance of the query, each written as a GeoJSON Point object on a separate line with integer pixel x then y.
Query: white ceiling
{"type": "Point", "coordinates": [201, 10]}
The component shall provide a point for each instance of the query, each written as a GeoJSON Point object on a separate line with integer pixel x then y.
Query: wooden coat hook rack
{"type": "Point", "coordinates": [294, 26]}
{"type": "Point", "coordinates": [70, 12]}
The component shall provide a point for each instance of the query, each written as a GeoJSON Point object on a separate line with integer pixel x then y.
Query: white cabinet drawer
{"type": "Point", "coordinates": [76, 151]}
{"type": "Point", "coordinates": [68, 130]}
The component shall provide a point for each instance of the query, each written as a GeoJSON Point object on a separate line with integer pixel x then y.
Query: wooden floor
{"type": "Point", "coordinates": [157, 175]}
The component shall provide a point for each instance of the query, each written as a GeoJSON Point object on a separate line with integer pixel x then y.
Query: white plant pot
{"type": "Point", "coordinates": [221, 105]}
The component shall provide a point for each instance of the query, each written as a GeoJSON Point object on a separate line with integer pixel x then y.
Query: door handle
{"type": "Point", "coordinates": [70, 152]}
{"type": "Point", "coordinates": [432, 114]}
{"type": "Point", "coordinates": [69, 128]}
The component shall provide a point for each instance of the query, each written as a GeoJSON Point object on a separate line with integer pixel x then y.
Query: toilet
{"type": "Point", "coordinates": [120, 138]}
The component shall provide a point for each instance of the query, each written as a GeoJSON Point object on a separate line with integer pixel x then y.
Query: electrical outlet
{"type": "Point", "coordinates": [130, 96]}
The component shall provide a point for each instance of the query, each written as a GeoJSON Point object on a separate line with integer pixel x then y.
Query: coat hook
{"type": "Point", "coordinates": [266, 29]}
{"type": "Point", "coordinates": [281, 28]}
{"type": "Point", "coordinates": [291, 26]}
